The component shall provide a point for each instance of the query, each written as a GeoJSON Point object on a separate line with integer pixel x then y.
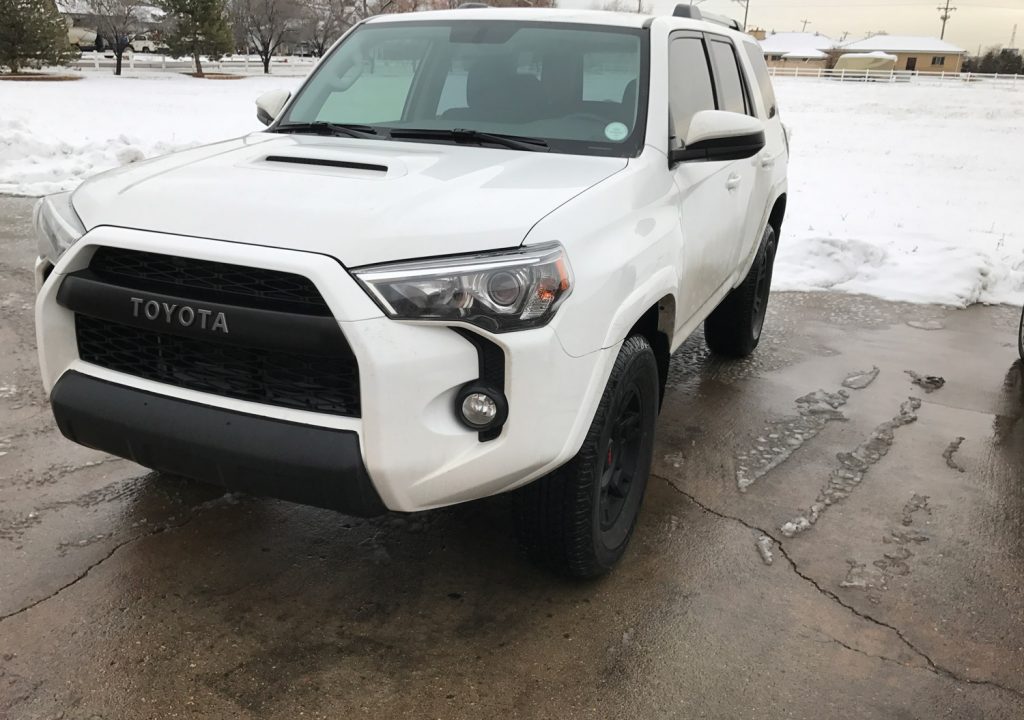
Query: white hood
{"type": "Point", "coordinates": [419, 200]}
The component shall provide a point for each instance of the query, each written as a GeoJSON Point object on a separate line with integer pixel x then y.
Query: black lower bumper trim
{"type": "Point", "coordinates": [259, 455]}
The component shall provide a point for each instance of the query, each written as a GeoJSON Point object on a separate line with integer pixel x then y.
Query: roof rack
{"type": "Point", "coordinates": [472, 6]}
{"type": "Point", "coordinates": [687, 11]}
{"type": "Point", "coordinates": [693, 12]}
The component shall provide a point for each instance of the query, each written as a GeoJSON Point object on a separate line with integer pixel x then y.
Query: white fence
{"type": "Point", "coordinates": [235, 64]}
{"type": "Point", "coordinates": [895, 76]}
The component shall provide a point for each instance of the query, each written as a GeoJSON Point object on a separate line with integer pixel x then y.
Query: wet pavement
{"type": "Point", "coordinates": [809, 548]}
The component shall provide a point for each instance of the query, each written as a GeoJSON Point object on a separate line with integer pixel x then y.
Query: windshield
{"type": "Point", "coordinates": [578, 88]}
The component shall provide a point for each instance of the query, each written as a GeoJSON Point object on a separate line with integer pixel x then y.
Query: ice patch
{"type": "Point", "coordinates": [852, 468]}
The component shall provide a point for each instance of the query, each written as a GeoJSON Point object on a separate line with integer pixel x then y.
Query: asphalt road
{"type": "Point", "coordinates": [126, 594]}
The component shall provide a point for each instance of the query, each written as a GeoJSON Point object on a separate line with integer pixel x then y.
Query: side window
{"type": "Point", "coordinates": [764, 79]}
{"type": "Point", "coordinates": [689, 80]}
{"type": "Point", "coordinates": [727, 77]}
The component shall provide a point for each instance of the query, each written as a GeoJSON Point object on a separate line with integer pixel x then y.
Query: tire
{"type": "Point", "coordinates": [579, 519]}
{"type": "Point", "coordinates": [734, 328]}
{"type": "Point", "coordinates": [1020, 337]}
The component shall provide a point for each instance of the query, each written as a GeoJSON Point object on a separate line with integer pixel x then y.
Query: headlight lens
{"type": "Point", "coordinates": [57, 226]}
{"type": "Point", "coordinates": [497, 291]}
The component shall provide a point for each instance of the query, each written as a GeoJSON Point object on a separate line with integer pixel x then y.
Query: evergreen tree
{"type": "Point", "coordinates": [32, 33]}
{"type": "Point", "coordinates": [200, 28]}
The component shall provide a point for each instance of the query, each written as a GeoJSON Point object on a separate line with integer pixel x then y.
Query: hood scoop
{"type": "Point", "coordinates": [327, 163]}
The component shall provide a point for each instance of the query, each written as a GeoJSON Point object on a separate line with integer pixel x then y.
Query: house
{"type": "Point", "coordinates": [923, 54]}
{"type": "Point", "coordinates": [797, 49]}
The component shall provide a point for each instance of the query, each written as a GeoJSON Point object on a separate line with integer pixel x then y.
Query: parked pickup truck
{"type": "Point", "coordinates": [455, 264]}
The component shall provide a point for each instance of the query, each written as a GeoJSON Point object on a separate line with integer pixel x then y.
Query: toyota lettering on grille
{"type": "Point", "coordinates": [183, 315]}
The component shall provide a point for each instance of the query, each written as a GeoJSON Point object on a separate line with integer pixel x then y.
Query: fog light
{"type": "Point", "coordinates": [480, 407]}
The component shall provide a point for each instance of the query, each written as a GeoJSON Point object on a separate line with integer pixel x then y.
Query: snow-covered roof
{"type": "Point", "coordinates": [145, 13]}
{"type": "Point", "coordinates": [902, 43]}
{"type": "Point", "coordinates": [806, 55]}
{"type": "Point", "coordinates": [797, 44]}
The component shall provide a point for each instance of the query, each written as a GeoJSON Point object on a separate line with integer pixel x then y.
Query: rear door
{"type": "Point", "coordinates": [771, 161]}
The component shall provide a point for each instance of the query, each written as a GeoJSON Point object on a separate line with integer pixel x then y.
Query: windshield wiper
{"type": "Point", "coordinates": [514, 142]}
{"type": "Point", "coordinates": [328, 128]}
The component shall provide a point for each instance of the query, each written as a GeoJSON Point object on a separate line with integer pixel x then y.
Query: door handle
{"type": "Point", "coordinates": [767, 162]}
{"type": "Point", "coordinates": [733, 182]}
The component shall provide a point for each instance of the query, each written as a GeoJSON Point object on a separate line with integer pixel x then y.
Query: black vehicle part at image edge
{"type": "Point", "coordinates": [579, 519]}
{"type": "Point", "coordinates": [734, 328]}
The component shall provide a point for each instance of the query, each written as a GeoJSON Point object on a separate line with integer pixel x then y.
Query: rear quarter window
{"type": "Point", "coordinates": [764, 79]}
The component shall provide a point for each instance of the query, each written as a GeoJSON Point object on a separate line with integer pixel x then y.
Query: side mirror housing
{"type": "Point", "coordinates": [270, 104]}
{"type": "Point", "coordinates": [717, 135]}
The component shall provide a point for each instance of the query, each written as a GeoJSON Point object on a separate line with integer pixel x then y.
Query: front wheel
{"type": "Point", "coordinates": [579, 519]}
{"type": "Point", "coordinates": [734, 328]}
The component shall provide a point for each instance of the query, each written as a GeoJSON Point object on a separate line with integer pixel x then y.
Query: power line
{"type": "Point", "coordinates": [945, 14]}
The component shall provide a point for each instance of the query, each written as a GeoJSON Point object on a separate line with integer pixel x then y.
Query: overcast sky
{"type": "Point", "coordinates": [985, 22]}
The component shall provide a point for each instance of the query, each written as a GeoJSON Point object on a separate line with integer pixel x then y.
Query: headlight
{"type": "Point", "coordinates": [497, 291]}
{"type": "Point", "coordinates": [57, 226]}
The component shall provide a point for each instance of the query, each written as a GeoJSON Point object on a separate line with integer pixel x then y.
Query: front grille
{"type": "Point", "coordinates": [304, 382]}
{"type": "Point", "coordinates": [207, 280]}
{"type": "Point", "coordinates": [250, 367]}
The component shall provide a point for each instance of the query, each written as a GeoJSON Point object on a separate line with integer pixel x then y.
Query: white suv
{"type": "Point", "coordinates": [454, 265]}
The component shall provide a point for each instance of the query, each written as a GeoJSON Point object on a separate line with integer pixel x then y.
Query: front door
{"type": "Point", "coordinates": [712, 195]}
{"type": "Point", "coordinates": [912, 63]}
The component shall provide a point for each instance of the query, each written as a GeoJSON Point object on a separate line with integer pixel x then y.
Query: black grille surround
{"type": "Point", "coordinates": [249, 363]}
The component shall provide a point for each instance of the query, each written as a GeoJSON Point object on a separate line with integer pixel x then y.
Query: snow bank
{"type": "Point", "coordinates": [900, 191]}
{"type": "Point", "coordinates": [904, 192]}
{"type": "Point", "coordinates": [54, 135]}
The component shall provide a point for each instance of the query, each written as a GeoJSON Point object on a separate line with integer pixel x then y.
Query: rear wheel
{"type": "Point", "coordinates": [579, 519]}
{"type": "Point", "coordinates": [734, 328]}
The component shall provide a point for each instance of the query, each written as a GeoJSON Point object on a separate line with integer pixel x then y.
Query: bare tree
{"type": "Point", "coordinates": [267, 25]}
{"type": "Point", "coordinates": [324, 22]}
{"type": "Point", "coordinates": [117, 22]}
{"type": "Point", "coordinates": [637, 6]}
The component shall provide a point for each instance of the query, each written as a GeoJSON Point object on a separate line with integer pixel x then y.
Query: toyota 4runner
{"type": "Point", "coordinates": [455, 264]}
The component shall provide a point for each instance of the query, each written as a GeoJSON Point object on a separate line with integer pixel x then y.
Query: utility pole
{"type": "Point", "coordinates": [806, 23]}
{"type": "Point", "coordinates": [846, 34]}
{"type": "Point", "coordinates": [746, 11]}
{"type": "Point", "coordinates": [1013, 37]}
{"type": "Point", "coordinates": [945, 13]}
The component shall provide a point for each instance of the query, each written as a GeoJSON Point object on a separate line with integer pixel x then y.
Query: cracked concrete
{"type": "Point", "coordinates": [780, 546]}
{"type": "Point", "coordinates": [129, 594]}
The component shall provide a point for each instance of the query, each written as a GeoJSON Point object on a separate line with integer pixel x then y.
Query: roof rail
{"type": "Point", "coordinates": [723, 20]}
{"type": "Point", "coordinates": [693, 12]}
{"type": "Point", "coordinates": [472, 6]}
{"type": "Point", "coordinates": [687, 11]}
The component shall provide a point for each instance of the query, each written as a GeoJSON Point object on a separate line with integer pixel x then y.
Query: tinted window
{"type": "Point", "coordinates": [727, 77]}
{"type": "Point", "coordinates": [764, 80]}
{"type": "Point", "coordinates": [690, 88]}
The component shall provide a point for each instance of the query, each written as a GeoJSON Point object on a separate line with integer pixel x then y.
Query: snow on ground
{"type": "Point", "coordinates": [906, 192]}
{"type": "Point", "coordinates": [53, 135]}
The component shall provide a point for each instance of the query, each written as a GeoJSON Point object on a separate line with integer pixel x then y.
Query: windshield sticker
{"type": "Point", "coordinates": [616, 132]}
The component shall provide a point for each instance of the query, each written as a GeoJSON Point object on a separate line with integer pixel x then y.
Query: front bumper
{"type": "Point", "coordinates": [265, 456]}
{"type": "Point", "coordinates": [415, 453]}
